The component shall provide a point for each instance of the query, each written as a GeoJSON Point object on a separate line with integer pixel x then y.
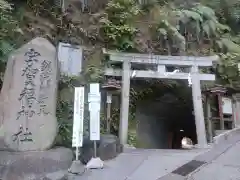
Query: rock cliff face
{"type": "Point", "coordinates": [82, 27]}
{"type": "Point", "coordinates": [72, 25]}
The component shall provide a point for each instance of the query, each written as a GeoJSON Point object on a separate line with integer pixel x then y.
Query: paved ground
{"type": "Point", "coordinates": [220, 162]}
{"type": "Point", "coordinates": [139, 164]}
{"type": "Point", "coordinates": [225, 167]}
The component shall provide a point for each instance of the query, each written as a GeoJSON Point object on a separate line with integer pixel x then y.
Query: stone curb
{"type": "Point", "coordinates": [220, 145]}
{"type": "Point", "coordinates": [35, 165]}
{"type": "Point", "coordinates": [222, 138]}
{"type": "Point", "coordinates": [58, 175]}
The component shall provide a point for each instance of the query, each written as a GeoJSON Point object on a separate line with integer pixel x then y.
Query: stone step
{"type": "Point", "coordinates": [35, 165]}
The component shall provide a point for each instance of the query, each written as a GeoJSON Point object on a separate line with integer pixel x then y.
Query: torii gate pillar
{"type": "Point", "coordinates": [124, 112]}
{"type": "Point", "coordinates": [198, 108]}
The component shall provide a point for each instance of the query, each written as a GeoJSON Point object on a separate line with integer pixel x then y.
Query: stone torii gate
{"type": "Point", "coordinates": [161, 73]}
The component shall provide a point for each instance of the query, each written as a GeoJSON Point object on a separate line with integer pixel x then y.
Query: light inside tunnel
{"type": "Point", "coordinates": [187, 143]}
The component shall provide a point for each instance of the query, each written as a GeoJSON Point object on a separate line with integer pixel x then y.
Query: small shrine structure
{"type": "Point", "coordinates": [111, 87]}
{"type": "Point", "coordinates": [221, 107]}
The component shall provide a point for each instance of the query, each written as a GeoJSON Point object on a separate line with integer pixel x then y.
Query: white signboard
{"type": "Point", "coordinates": [70, 58]}
{"type": "Point", "coordinates": [227, 105]}
{"type": "Point", "coordinates": [109, 98]}
{"type": "Point", "coordinates": [77, 138]}
{"type": "Point", "coordinates": [94, 100]}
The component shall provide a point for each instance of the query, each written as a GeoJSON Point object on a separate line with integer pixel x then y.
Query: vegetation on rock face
{"type": "Point", "coordinates": [192, 29]}
{"type": "Point", "coordinates": [9, 32]}
{"type": "Point", "coordinates": [117, 27]}
{"type": "Point", "coordinates": [172, 27]}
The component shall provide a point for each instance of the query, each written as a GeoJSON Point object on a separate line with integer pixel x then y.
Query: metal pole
{"type": "Point", "coordinates": [95, 148]}
{"type": "Point", "coordinates": [77, 153]}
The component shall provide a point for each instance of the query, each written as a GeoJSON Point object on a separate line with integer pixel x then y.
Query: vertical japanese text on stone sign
{"type": "Point", "coordinates": [27, 96]}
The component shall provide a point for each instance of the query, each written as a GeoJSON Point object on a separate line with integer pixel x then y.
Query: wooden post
{"type": "Point", "coordinates": [198, 108]}
{"type": "Point", "coordinates": [220, 111]}
{"type": "Point", "coordinates": [234, 111]}
{"type": "Point", "coordinates": [109, 101]}
{"type": "Point", "coordinates": [237, 109]}
{"type": "Point", "coordinates": [123, 126]}
{"type": "Point", "coordinates": [209, 120]}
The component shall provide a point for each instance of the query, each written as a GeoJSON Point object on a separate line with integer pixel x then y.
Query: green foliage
{"type": "Point", "coordinates": [94, 73]}
{"type": "Point", "coordinates": [8, 30]}
{"type": "Point", "coordinates": [41, 7]}
{"type": "Point", "coordinates": [46, 18]}
{"type": "Point", "coordinates": [115, 121]}
{"type": "Point", "coordinates": [167, 31]}
{"type": "Point", "coordinates": [117, 27]}
{"type": "Point", "coordinates": [198, 22]}
{"type": "Point", "coordinates": [64, 116]}
{"type": "Point", "coordinates": [132, 138]}
{"type": "Point", "coordinates": [198, 30]}
{"type": "Point", "coordinates": [228, 11]}
{"type": "Point", "coordinates": [228, 69]}
{"type": "Point", "coordinates": [64, 110]}
{"type": "Point", "coordinates": [115, 117]}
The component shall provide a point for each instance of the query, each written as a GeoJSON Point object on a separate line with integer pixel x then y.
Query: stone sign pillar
{"type": "Point", "coordinates": [29, 95]}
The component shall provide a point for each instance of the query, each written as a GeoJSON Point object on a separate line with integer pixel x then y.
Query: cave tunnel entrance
{"type": "Point", "coordinates": [149, 66]}
{"type": "Point", "coordinates": [165, 118]}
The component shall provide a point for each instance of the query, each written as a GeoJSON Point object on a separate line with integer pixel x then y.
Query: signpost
{"type": "Point", "coordinates": [94, 100]}
{"type": "Point", "coordinates": [77, 137]}
{"type": "Point", "coordinates": [70, 58]}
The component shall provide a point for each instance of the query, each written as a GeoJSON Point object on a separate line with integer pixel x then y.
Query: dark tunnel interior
{"type": "Point", "coordinates": [162, 123]}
